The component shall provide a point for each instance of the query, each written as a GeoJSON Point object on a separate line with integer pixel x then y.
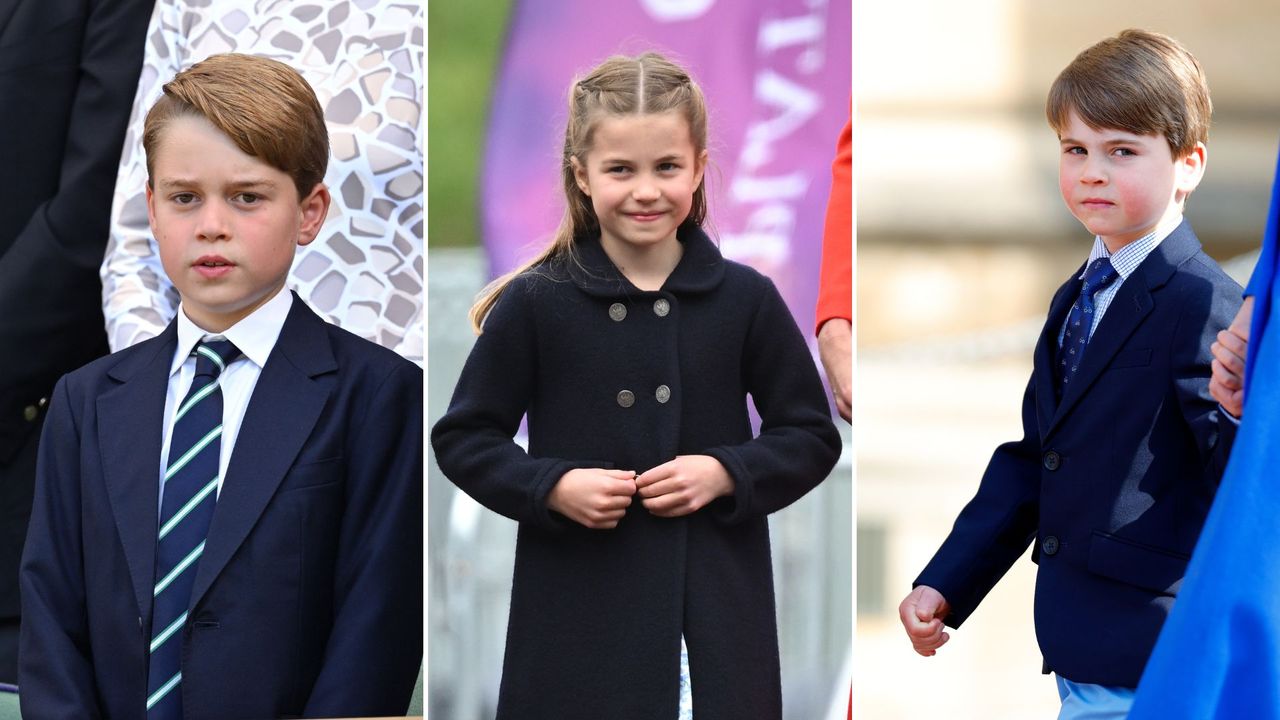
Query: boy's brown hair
{"type": "Point", "coordinates": [1140, 82]}
{"type": "Point", "coordinates": [263, 105]}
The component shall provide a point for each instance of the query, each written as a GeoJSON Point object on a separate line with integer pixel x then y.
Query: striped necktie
{"type": "Point", "coordinates": [188, 495]}
{"type": "Point", "coordinates": [1075, 339]}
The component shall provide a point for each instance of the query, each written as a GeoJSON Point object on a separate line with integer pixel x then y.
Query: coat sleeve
{"type": "Point", "coordinates": [48, 291]}
{"type": "Point", "coordinates": [835, 284]}
{"type": "Point", "coordinates": [138, 300]}
{"type": "Point", "coordinates": [995, 527]}
{"type": "Point", "coordinates": [375, 647]}
{"type": "Point", "coordinates": [474, 443]}
{"type": "Point", "coordinates": [1204, 315]}
{"type": "Point", "coordinates": [54, 670]}
{"type": "Point", "coordinates": [798, 444]}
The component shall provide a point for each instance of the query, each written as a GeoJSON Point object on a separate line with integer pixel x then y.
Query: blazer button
{"type": "Point", "coordinates": [618, 312]}
{"type": "Point", "coordinates": [626, 398]}
{"type": "Point", "coordinates": [1049, 546]}
{"type": "Point", "coordinates": [663, 393]}
{"type": "Point", "coordinates": [30, 413]}
{"type": "Point", "coordinates": [661, 307]}
{"type": "Point", "coordinates": [1052, 461]}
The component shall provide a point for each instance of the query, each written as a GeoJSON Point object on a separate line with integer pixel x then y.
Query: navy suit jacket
{"type": "Point", "coordinates": [308, 598]}
{"type": "Point", "coordinates": [1113, 481]}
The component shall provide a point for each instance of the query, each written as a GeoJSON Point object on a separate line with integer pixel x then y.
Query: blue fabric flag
{"type": "Point", "coordinates": [1218, 656]}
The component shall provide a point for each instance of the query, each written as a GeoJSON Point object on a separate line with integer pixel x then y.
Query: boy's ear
{"type": "Point", "coordinates": [151, 208]}
{"type": "Point", "coordinates": [580, 175]}
{"type": "Point", "coordinates": [314, 208]}
{"type": "Point", "coordinates": [1189, 170]}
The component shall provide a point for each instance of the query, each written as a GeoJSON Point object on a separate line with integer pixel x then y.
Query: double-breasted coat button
{"type": "Point", "coordinates": [1049, 546]}
{"type": "Point", "coordinates": [618, 312]}
{"type": "Point", "coordinates": [661, 307]}
{"type": "Point", "coordinates": [1052, 461]}
{"type": "Point", "coordinates": [663, 393]}
{"type": "Point", "coordinates": [30, 412]}
{"type": "Point", "coordinates": [626, 398]}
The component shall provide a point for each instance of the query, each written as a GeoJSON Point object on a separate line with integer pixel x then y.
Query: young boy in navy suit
{"type": "Point", "coordinates": [228, 516]}
{"type": "Point", "coordinates": [1123, 444]}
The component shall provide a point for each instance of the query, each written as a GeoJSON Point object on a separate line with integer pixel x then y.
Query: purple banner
{"type": "Point", "coordinates": [776, 74]}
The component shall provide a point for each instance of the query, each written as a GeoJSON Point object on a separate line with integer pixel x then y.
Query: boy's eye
{"type": "Point", "coordinates": [248, 198]}
{"type": "Point", "coordinates": [1123, 152]}
{"type": "Point", "coordinates": [1075, 150]}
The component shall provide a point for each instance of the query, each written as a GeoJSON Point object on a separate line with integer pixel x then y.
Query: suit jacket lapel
{"type": "Point", "coordinates": [130, 421]}
{"type": "Point", "coordinates": [1046, 353]}
{"type": "Point", "coordinates": [286, 404]}
{"type": "Point", "coordinates": [1128, 308]}
{"type": "Point", "coordinates": [1133, 302]}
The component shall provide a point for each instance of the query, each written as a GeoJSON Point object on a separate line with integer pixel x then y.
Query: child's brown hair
{"type": "Point", "coordinates": [642, 85]}
{"type": "Point", "coordinates": [263, 105]}
{"type": "Point", "coordinates": [1140, 82]}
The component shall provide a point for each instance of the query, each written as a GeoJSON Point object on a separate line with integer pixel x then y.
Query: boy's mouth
{"type": "Point", "coordinates": [212, 261]}
{"type": "Point", "coordinates": [212, 266]}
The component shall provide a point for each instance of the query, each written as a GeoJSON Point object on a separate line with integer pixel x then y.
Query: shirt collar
{"type": "Point", "coordinates": [255, 335]}
{"type": "Point", "coordinates": [1128, 258]}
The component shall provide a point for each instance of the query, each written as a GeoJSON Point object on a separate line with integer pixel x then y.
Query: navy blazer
{"type": "Point", "coordinates": [1114, 481]}
{"type": "Point", "coordinates": [308, 598]}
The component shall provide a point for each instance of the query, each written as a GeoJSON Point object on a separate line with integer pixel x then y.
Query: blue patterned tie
{"type": "Point", "coordinates": [188, 495]}
{"type": "Point", "coordinates": [1098, 275]}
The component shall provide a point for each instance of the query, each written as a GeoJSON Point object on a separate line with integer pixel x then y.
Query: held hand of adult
{"type": "Point", "coordinates": [683, 485]}
{"type": "Point", "coordinates": [835, 347]}
{"type": "Point", "coordinates": [593, 497]}
{"type": "Point", "coordinates": [1226, 383]}
{"type": "Point", "coordinates": [922, 613]}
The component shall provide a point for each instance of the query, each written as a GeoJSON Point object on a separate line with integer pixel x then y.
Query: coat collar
{"type": "Point", "coordinates": [1131, 305]}
{"type": "Point", "coordinates": [701, 267]}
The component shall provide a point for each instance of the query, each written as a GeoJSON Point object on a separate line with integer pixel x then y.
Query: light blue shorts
{"type": "Point", "coordinates": [1084, 701]}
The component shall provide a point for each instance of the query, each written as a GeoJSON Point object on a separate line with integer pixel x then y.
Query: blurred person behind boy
{"type": "Point", "coordinates": [67, 71]}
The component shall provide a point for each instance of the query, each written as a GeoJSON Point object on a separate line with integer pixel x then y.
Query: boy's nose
{"type": "Point", "coordinates": [1092, 172]}
{"type": "Point", "coordinates": [212, 223]}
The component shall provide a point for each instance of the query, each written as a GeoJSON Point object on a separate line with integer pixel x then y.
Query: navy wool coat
{"type": "Point", "coordinates": [597, 615]}
{"type": "Point", "coordinates": [1113, 481]}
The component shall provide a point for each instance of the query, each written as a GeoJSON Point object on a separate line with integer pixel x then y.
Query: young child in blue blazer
{"type": "Point", "coordinates": [228, 517]}
{"type": "Point", "coordinates": [1123, 444]}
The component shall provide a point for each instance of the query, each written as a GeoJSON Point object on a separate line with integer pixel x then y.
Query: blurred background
{"type": "Point", "coordinates": [959, 208]}
{"type": "Point", "coordinates": [480, 81]}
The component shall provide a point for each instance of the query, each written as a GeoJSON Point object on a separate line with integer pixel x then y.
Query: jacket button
{"type": "Point", "coordinates": [1049, 546]}
{"type": "Point", "coordinates": [30, 413]}
{"type": "Point", "coordinates": [626, 398]}
{"type": "Point", "coordinates": [661, 307]}
{"type": "Point", "coordinates": [1052, 461]}
{"type": "Point", "coordinates": [663, 393]}
{"type": "Point", "coordinates": [618, 312]}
